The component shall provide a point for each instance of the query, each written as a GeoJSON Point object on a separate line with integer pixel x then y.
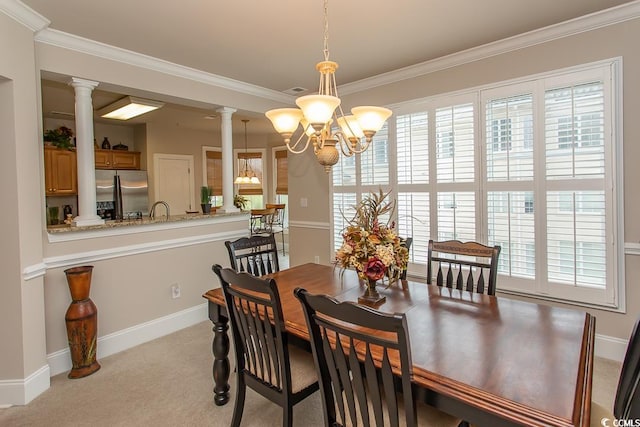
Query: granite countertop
{"type": "Point", "coordinates": [65, 228]}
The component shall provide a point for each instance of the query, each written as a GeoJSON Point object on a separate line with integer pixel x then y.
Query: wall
{"type": "Point", "coordinates": [133, 274]}
{"type": "Point", "coordinates": [22, 325]}
{"type": "Point", "coordinates": [602, 43]}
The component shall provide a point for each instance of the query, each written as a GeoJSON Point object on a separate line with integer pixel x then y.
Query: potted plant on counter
{"type": "Point", "coordinates": [240, 202]}
{"type": "Point", "coordinates": [60, 137]}
{"type": "Point", "coordinates": [205, 199]}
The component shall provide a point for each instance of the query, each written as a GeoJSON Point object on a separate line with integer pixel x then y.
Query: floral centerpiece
{"type": "Point", "coordinates": [371, 247]}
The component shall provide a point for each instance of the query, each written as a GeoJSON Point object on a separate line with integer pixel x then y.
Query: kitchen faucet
{"type": "Point", "coordinates": [152, 213]}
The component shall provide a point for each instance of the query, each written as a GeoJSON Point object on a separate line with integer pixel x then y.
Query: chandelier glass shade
{"type": "Point", "coordinates": [324, 124]}
{"type": "Point", "coordinates": [246, 176]}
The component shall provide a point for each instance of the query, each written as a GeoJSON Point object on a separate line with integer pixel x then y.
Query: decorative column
{"type": "Point", "coordinates": [227, 160]}
{"type": "Point", "coordinates": [84, 150]}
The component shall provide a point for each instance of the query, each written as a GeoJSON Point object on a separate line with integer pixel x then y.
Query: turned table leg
{"type": "Point", "coordinates": [220, 348]}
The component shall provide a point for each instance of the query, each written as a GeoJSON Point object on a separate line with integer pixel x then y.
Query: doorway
{"type": "Point", "coordinates": [174, 181]}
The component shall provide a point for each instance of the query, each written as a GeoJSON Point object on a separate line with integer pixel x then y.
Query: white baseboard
{"type": "Point", "coordinates": [610, 347]}
{"type": "Point", "coordinates": [60, 361]}
{"type": "Point", "coordinates": [21, 392]}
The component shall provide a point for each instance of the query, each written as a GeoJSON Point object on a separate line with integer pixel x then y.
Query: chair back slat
{"type": "Point", "coordinates": [256, 255]}
{"type": "Point", "coordinates": [467, 265]}
{"type": "Point", "coordinates": [358, 382]}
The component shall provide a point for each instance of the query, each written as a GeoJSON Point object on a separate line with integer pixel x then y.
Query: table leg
{"type": "Point", "coordinates": [220, 348]}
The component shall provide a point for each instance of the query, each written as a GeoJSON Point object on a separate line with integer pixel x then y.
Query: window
{"type": "Point", "coordinates": [213, 173]}
{"type": "Point", "coordinates": [526, 164]}
{"type": "Point", "coordinates": [253, 192]}
{"type": "Point", "coordinates": [281, 179]}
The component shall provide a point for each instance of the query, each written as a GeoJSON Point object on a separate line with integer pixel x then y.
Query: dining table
{"type": "Point", "coordinates": [490, 360]}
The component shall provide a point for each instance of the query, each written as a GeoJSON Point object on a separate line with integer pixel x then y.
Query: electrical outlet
{"type": "Point", "coordinates": [175, 291]}
{"type": "Point", "coordinates": [316, 259]}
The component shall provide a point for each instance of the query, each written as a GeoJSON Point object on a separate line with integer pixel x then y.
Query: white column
{"type": "Point", "coordinates": [227, 160]}
{"type": "Point", "coordinates": [84, 150]}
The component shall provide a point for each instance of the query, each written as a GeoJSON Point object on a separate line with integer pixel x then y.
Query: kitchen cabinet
{"type": "Point", "coordinates": [117, 159]}
{"type": "Point", "coordinates": [61, 176]}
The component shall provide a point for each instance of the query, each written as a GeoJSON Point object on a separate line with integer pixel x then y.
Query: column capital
{"type": "Point", "coordinates": [78, 82]}
{"type": "Point", "coordinates": [226, 110]}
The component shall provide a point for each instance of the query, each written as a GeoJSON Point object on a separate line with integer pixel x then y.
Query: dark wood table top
{"type": "Point", "coordinates": [526, 363]}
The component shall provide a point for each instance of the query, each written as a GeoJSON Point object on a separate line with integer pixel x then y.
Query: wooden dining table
{"type": "Point", "coordinates": [492, 361]}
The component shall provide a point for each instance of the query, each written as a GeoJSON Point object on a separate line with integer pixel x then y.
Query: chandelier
{"type": "Point", "coordinates": [246, 176]}
{"type": "Point", "coordinates": [324, 124]}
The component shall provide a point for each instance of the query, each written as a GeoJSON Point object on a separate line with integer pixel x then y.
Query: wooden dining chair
{"type": "Point", "coordinates": [406, 241]}
{"type": "Point", "coordinates": [265, 361]}
{"type": "Point", "coordinates": [262, 221]}
{"type": "Point", "coordinates": [277, 225]}
{"type": "Point", "coordinates": [256, 255]}
{"type": "Point", "coordinates": [468, 266]}
{"type": "Point", "coordinates": [355, 389]}
{"type": "Point", "coordinates": [626, 405]}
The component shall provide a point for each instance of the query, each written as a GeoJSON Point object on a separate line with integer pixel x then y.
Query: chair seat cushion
{"type": "Point", "coordinates": [303, 369]}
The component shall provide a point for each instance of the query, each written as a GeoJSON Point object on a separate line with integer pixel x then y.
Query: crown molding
{"type": "Point", "coordinates": [28, 17]}
{"type": "Point", "coordinates": [24, 15]}
{"type": "Point", "coordinates": [612, 16]}
{"type": "Point", "coordinates": [102, 50]}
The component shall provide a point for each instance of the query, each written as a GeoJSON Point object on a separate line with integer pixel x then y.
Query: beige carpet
{"type": "Point", "coordinates": [167, 382]}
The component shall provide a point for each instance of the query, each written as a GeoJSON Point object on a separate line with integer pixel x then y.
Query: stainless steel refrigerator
{"type": "Point", "coordinates": [134, 189]}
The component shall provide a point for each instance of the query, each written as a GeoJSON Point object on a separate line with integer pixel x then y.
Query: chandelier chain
{"type": "Point", "coordinates": [326, 30]}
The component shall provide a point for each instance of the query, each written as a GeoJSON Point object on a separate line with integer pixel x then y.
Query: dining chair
{"type": "Point", "coordinates": [346, 338]}
{"type": "Point", "coordinates": [469, 266]}
{"type": "Point", "coordinates": [406, 241]}
{"type": "Point", "coordinates": [626, 405]}
{"type": "Point", "coordinates": [262, 221]}
{"type": "Point", "coordinates": [277, 225]}
{"type": "Point", "coordinates": [256, 255]}
{"type": "Point", "coordinates": [265, 361]}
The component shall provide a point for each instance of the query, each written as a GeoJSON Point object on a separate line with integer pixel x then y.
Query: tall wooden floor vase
{"type": "Point", "coordinates": [82, 323]}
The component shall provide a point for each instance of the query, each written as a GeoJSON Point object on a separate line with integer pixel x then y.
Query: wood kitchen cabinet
{"type": "Point", "coordinates": [61, 177]}
{"type": "Point", "coordinates": [117, 159]}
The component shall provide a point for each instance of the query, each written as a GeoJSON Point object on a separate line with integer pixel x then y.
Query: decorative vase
{"type": "Point", "coordinates": [206, 208]}
{"type": "Point", "coordinates": [371, 296]}
{"type": "Point", "coordinates": [82, 323]}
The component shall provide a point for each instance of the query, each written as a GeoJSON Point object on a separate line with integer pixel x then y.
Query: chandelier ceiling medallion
{"type": "Point", "coordinates": [323, 122]}
{"type": "Point", "coordinates": [246, 176]}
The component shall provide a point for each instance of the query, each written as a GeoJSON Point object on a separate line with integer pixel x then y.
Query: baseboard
{"type": "Point", "coordinates": [60, 361]}
{"type": "Point", "coordinates": [21, 392]}
{"type": "Point", "coordinates": [610, 347]}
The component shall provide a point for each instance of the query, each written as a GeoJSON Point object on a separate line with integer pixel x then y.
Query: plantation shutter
{"type": "Point", "coordinates": [282, 172]}
{"type": "Point", "coordinates": [214, 172]}
{"type": "Point", "coordinates": [575, 169]}
{"type": "Point", "coordinates": [412, 145]}
{"type": "Point", "coordinates": [455, 159]}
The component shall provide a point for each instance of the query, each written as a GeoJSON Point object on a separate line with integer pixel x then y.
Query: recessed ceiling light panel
{"type": "Point", "coordinates": [128, 107]}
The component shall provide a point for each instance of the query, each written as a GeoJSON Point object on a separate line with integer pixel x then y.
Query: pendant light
{"type": "Point", "coordinates": [246, 176]}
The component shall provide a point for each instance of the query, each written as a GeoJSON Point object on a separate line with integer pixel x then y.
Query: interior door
{"type": "Point", "coordinates": [174, 182]}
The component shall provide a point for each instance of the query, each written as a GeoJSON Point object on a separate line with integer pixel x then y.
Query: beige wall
{"type": "Point", "coordinates": [608, 42]}
{"type": "Point", "coordinates": [133, 286]}
{"type": "Point", "coordinates": [21, 219]}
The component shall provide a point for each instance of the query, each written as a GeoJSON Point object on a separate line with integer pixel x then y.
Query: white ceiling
{"type": "Point", "coordinates": [275, 44]}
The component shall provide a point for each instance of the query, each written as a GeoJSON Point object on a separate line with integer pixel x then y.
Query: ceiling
{"type": "Point", "coordinates": [275, 44]}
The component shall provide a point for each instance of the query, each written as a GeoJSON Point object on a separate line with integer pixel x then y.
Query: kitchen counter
{"type": "Point", "coordinates": [173, 220]}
